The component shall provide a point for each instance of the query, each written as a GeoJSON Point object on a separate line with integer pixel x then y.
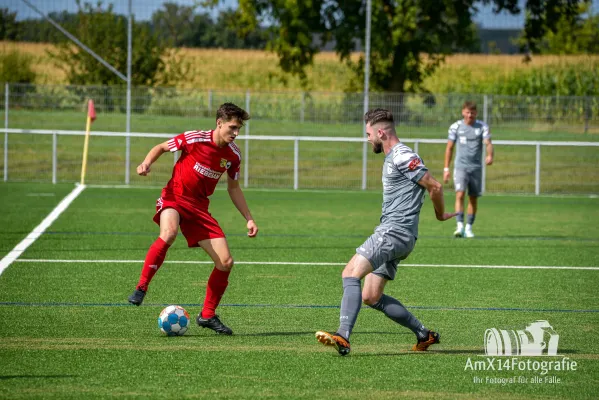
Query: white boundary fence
{"type": "Point", "coordinates": [296, 149]}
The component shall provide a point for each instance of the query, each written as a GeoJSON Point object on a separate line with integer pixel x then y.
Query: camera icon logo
{"type": "Point", "coordinates": [537, 339]}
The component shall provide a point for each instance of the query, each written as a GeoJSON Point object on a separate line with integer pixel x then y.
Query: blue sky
{"type": "Point", "coordinates": [143, 10]}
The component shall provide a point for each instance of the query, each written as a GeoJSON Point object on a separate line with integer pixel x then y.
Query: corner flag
{"type": "Point", "coordinates": [91, 117]}
{"type": "Point", "coordinates": [91, 111]}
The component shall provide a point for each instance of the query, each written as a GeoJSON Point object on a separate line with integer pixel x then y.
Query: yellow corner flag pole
{"type": "Point", "coordinates": [91, 116]}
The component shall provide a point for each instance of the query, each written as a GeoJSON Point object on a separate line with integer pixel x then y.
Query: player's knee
{"type": "Point", "coordinates": [168, 235]}
{"type": "Point", "coordinates": [350, 272]}
{"type": "Point", "coordinates": [226, 264]}
{"type": "Point", "coordinates": [370, 298]}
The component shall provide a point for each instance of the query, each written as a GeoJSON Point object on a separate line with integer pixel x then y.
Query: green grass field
{"type": "Point", "coordinates": [68, 332]}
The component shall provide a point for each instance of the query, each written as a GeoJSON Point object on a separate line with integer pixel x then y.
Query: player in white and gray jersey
{"type": "Point", "coordinates": [469, 134]}
{"type": "Point", "coordinates": [405, 180]}
{"type": "Point", "coordinates": [402, 196]}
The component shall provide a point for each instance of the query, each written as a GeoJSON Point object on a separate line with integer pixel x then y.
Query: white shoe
{"type": "Point", "coordinates": [468, 233]}
{"type": "Point", "coordinates": [459, 233]}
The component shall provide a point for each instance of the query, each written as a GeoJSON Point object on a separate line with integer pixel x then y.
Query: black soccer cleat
{"type": "Point", "coordinates": [137, 297]}
{"type": "Point", "coordinates": [214, 324]}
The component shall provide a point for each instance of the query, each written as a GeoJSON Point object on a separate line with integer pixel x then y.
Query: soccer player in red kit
{"type": "Point", "coordinates": [205, 156]}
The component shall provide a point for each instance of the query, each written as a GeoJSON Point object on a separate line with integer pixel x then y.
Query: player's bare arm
{"type": "Point", "coordinates": [490, 152]}
{"type": "Point", "coordinates": [238, 199]}
{"type": "Point", "coordinates": [144, 168]}
{"type": "Point", "coordinates": [448, 155]}
{"type": "Point", "coordinates": [435, 191]}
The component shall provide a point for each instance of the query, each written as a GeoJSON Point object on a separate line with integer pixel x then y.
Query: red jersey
{"type": "Point", "coordinates": [200, 166]}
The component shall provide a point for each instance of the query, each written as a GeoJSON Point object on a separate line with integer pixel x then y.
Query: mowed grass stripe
{"type": "Point", "coordinates": [312, 264]}
{"type": "Point", "coordinates": [300, 306]}
{"type": "Point", "coordinates": [185, 343]}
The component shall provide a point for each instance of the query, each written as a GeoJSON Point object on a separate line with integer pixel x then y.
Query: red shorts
{"type": "Point", "coordinates": [196, 222]}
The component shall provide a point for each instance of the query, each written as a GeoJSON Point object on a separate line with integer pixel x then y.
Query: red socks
{"type": "Point", "coordinates": [154, 260]}
{"type": "Point", "coordinates": [217, 283]}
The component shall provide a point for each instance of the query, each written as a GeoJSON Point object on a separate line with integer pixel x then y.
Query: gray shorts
{"type": "Point", "coordinates": [385, 248]}
{"type": "Point", "coordinates": [472, 180]}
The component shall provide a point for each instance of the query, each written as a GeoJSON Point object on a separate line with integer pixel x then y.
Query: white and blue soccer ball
{"type": "Point", "coordinates": [173, 321]}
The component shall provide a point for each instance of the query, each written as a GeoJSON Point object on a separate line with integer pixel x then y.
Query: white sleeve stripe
{"type": "Point", "coordinates": [235, 150]}
{"type": "Point", "coordinates": [197, 137]}
{"type": "Point", "coordinates": [197, 134]}
{"type": "Point", "coordinates": [193, 135]}
{"type": "Point", "coordinates": [172, 146]}
{"type": "Point", "coordinates": [189, 132]}
{"type": "Point", "coordinates": [196, 140]}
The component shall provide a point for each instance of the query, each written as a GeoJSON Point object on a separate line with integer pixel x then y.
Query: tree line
{"type": "Point", "coordinates": [410, 38]}
{"type": "Point", "coordinates": [175, 25]}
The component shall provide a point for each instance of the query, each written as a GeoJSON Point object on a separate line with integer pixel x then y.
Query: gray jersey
{"type": "Point", "coordinates": [402, 195]}
{"type": "Point", "coordinates": [469, 143]}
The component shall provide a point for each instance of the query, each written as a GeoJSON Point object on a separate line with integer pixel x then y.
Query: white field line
{"type": "Point", "coordinates": [38, 230]}
{"type": "Point", "coordinates": [310, 264]}
{"type": "Point", "coordinates": [291, 190]}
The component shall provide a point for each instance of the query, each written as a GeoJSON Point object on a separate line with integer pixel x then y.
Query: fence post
{"type": "Point", "coordinates": [364, 165]}
{"type": "Point", "coordinates": [587, 114]}
{"type": "Point", "coordinates": [210, 101]}
{"type": "Point", "coordinates": [246, 165]}
{"type": "Point", "coordinates": [484, 171]}
{"type": "Point", "coordinates": [302, 110]}
{"type": "Point", "coordinates": [128, 137]}
{"type": "Point", "coordinates": [6, 93]}
{"type": "Point", "coordinates": [296, 164]}
{"type": "Point", "coordinates": [538, 170]}
{"type": "Point", "coordinates": [485, 109]}
{"type": "Point", "coordinates": [54, 157]}
{"type": "Point", "coordinates": [416, 146]}
{"type": "Point", "coordinates": [486, 103]}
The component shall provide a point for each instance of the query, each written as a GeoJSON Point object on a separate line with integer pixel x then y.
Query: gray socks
{"type": "Point", "coordinates": [350, 306]}
{"type": "Point", "coordinates": [460, 217]}
{"type": "Point", "coordinates": [470, 219]}
{"type": "Point", "coordinates": [393, 309]}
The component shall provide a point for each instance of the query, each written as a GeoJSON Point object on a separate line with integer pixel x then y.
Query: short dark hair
{"type": "Point", "coordinates": [378, 115]}
{"type": "Point", "coordinates": [228, 111]}
{"type": "Point", "coordinates": [470, 105]}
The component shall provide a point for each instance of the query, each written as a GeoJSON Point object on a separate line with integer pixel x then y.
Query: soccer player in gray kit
{"type": "Point", "coordinates": [405, 180]}
{"type": "Point", "coordinates": [468, 136]}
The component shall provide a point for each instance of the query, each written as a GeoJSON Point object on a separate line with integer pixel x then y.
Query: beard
{"type": "Point", "coordinates": [377, 147]}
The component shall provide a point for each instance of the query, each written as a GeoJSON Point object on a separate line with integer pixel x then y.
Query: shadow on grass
{"type": "Point", "coordinates": [307, 333]}
{"type": "Point", "coordinates": [417, 353]}
{"type": "Point", "coordinates": [314, 331]}
{"type": "Point", "coordinates": [386, 354]}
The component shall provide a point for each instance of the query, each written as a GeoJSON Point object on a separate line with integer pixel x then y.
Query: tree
{"type": "Point", "coordinates": [41, 30]}
{"type": "Point", "coordinates": [566, 32]}
{"type": "Point", "coordinates": [182, 27]}
{"type": "Point", "coordinates": [226, 36]}
{"type": "Point", "coordinates": [410, 38]}
{"type": "Point", "coordinates": [106, 34]}
{"type": "Point", "coordinates": [16, 67]}
{"type": "Point", "coordinates": [9, 27]}
{"type": "Point", "coordinates": [174, 23]}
